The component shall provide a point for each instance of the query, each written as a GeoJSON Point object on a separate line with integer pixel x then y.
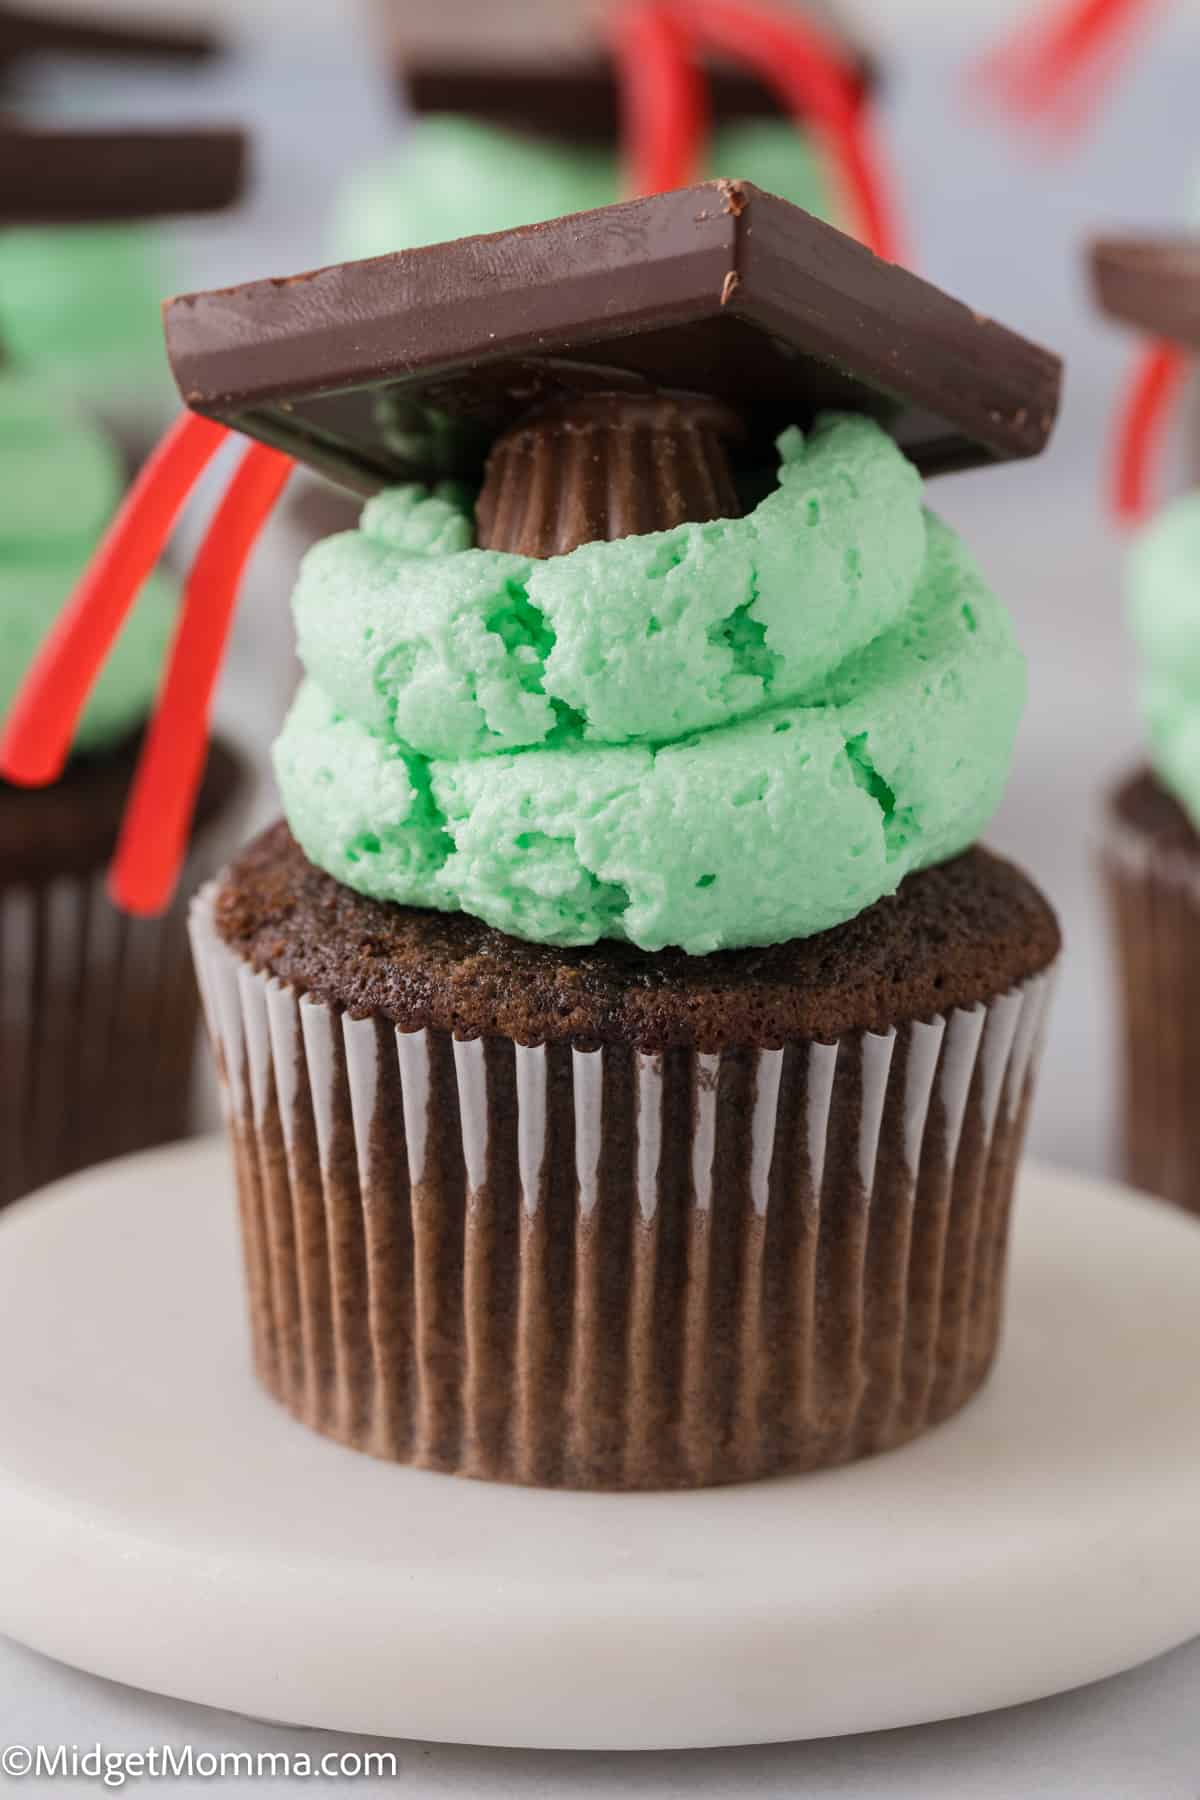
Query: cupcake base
{"type": "Point", "coordinates": [619, 1264]}
{"type": "Point", "coordinates": [1150, 866]}
{"type": "Point", "coordinates": [99, 1013]}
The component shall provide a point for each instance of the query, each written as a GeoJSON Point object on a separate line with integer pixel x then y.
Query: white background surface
{"type": "Point", "coordinates": [1000, 224]}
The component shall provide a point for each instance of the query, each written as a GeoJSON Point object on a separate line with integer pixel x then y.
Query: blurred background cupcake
{"type": "Point", "coordinates": [99, 1016]}
{"type": "Point", "coordinates": [1151, 837]}
{"type": "Point", "coordinates": [80, 298]}
{"type": "Point", "coordinates": [515, 116]}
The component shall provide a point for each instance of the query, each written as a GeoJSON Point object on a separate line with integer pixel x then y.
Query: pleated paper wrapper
{"type": "Point", "coordinates": [1153, 899]}
{"type": "Point", "coordinates": [99, 1024]}
{"type": "Point", "coordinates": [607, 1269]}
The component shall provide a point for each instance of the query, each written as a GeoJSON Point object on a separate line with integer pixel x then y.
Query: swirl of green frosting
{"type": "Point", "coordinates": [644, 639]}
{"type": "Point", "coordinates": [719, 735]}
{"type": "Point", "coordinates": [1164, 563]}
{"type": "Point", "coordinates": [457, 177]}
{"type": "Point", "coordinates": [60, 482]}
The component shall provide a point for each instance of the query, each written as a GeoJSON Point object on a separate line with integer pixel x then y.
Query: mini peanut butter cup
{"type": "Point", "coordinates": [601, 466]}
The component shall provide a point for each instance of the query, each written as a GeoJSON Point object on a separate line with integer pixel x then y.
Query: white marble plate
{"type": "Point", "coordinates": [164, 1523]}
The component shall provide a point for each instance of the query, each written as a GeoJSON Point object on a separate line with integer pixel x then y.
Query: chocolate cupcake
{"type": "Point", "coordinates": [1150, 841]}
{"type": "Point", "coordinates": [100, 1013]}
{"type": "Point", "coordinates": [626, 1052]}
{"type": "Point", "coordinates": [602, 1218]}
{"type": "Point", "coordinates": [1150, 862]}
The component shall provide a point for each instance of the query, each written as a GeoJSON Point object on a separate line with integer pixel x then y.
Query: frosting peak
{"type": "Point", "coordinates": [718, 735]}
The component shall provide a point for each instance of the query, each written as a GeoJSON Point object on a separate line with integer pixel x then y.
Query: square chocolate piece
{"type": "Point", "coordinates": [540, 66]}
{"type": "Point", "coordinates": [407, 367]}
{"type": "Point", "coordinates": [27, 31]}
{"type": "Point", "coordinates": [1151, 283]}
{"type": "Point", "coordinates": [51, 177]}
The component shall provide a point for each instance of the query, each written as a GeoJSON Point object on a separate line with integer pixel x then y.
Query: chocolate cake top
{"type": "Point", "coordinates": [409, 366]}
{"type": "Point", "coordinates": [953, 936]}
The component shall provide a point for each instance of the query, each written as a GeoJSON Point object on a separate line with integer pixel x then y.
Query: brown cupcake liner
{"type": "Point", "coordinates": [1153, 896]}
{"type": "Point", "coordinates": [99, 1025]}
{"type": "Point", "coordinates": [607, 1269]}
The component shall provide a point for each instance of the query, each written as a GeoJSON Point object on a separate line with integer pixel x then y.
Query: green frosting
{"type": "Point", "coordinates": [646, 638]}
{"type": "Point", "coordinates": [776, 156]}
{"type": "Point", "coordinates": [455, 177]}
{"type": "Point", "coordinates": [60, 482]}
{"type": "Point", "coordinates": [1163, 578]}
{"type": "Point", "coordinates": [723, 734]}
{"type": "Point", "coordinates": [81, 305]}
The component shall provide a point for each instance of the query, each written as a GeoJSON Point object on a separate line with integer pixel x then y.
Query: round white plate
{"type": "Point", "coordinates": [164, 1523]}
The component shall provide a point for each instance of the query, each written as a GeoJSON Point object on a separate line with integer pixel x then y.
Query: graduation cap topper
{"type": "Point", "coordinates": [35, 31]}
{"type": "Point", "coordinates": [614, 368]}
{"type": "Point", "coordinates": [1151, 283]}
{"type": "Point", "coordinates": [51, 174]}
{"type": "Point", "coordinates": [539, 66]}
{"type": "Point", "coordinates": [66, 177]}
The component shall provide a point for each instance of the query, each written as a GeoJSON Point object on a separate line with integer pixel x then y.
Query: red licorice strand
{"type": "Point", "coordinates": [1050, 64]}
{"type": "Point", "coordinates": [1087, 30]}
{"type": "Point", "coordinates": [1015, 71]}
{"type": "Point", "coordinates": [814, 83]}
{"type": "Point", "coordinates": [820, 88]}
{"type": "Point", "coordinates": [757, 33]}
{"type": "Point", "coordinates": [1068, 115]}
{"type": "Point", "coordinates": [155, 829]}
{"type": "Point", "coordinates": [42, 721]}
{"type": "Point", "coordinates": [1158, 377]}
{"type": "Point", "coordinates": [663, 99]}
{"type": "Point", "coordinates": [859, 163]}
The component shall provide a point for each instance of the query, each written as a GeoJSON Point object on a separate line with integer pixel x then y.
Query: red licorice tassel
{"type": "Point", "coordinates": [154, 832]}
{"type": "Point", "coordinates": [41, 725]}
{"type": "Point", "coordinates": [1158, 378]}
{"type": "Point", "coordinates": [1054, 65]}
{"type": "Point", "coordinates": [822, 90]}
{"type": "Point", "coordinates": [662, 99]}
